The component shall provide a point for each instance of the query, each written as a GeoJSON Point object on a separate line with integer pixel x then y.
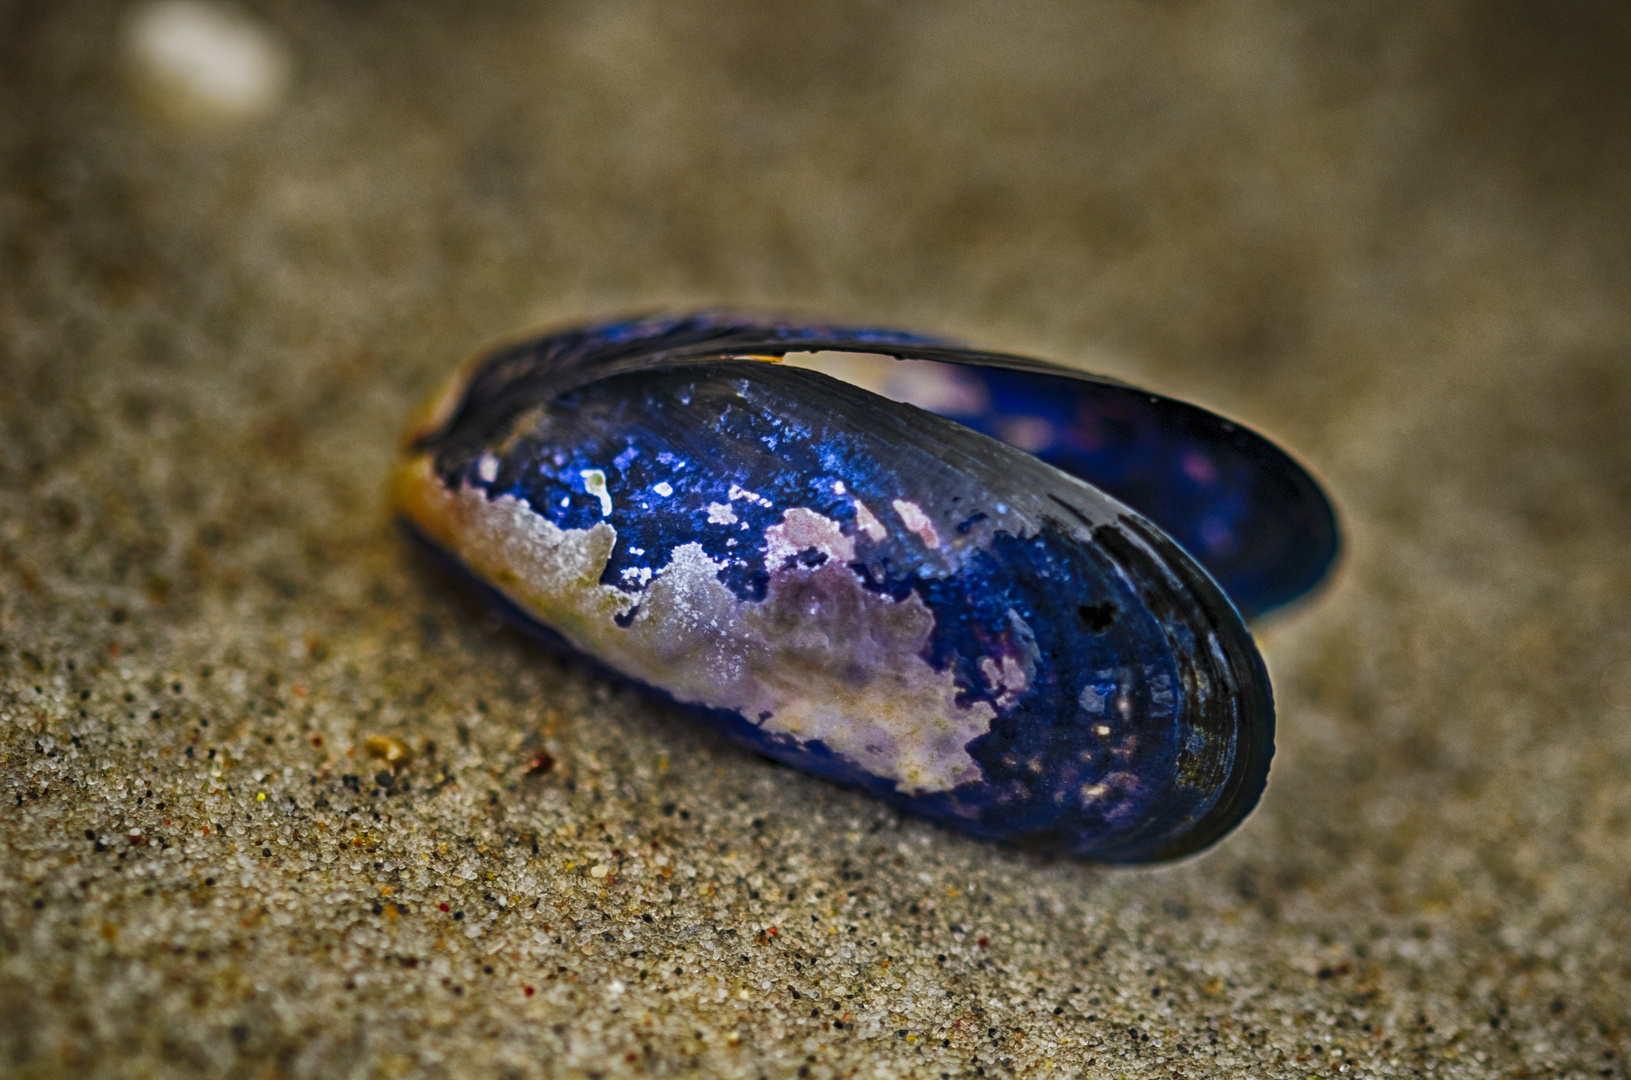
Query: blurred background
{"type": "Point", "coordinates": [238, 243]}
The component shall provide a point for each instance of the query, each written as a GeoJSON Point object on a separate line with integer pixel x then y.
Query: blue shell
{"type": "Point", "coordinates": [975, 630]}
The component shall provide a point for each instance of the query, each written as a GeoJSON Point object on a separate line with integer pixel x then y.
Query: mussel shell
{"type": "Point", "coordinates": [865, 590]}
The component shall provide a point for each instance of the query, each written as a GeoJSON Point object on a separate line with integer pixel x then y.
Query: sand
{"type": "Point", "coordinates": [282, 802]}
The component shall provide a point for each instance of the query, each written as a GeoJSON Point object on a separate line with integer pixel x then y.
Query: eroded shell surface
{"type": "Point", "coordinates": [885, 595]}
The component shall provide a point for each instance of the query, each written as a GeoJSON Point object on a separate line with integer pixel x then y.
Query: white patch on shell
{"type": "Point", "coordinates": [820, 658]}
{"type": "Point", "coordinates": [802, 530]}
{"type": "Point", "coordinates": [1004, 678]}
{"type": "Point", "coordinates": [663, 488]}
{"type": "Point", "coordinates": [1008, 674]}
{"type": "Point", "coordinates": [917, 521]}
{"type": "Point", "coordinates": [721, 514]}
{"type": "Point", "coordinates": [594, 482]}
{"type": "Point", "coordinates": [737, 491]}
{"type": "Point", "coordinates": [866, 522]}
{"type": "Point", "coordinates": [827, 661]}
{"type": "Point", "coordinates": [487, 468]}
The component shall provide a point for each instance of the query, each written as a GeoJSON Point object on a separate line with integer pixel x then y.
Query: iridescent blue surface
{"type": "Point", "coordinates": [1083, 685]}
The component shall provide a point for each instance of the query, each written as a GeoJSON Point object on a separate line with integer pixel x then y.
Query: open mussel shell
{"type": "Point", "coordinates": [888, 594]}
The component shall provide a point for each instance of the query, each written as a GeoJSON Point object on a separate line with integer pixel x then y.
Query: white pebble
{"type": "Point", "coordinates": [203, 63]}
